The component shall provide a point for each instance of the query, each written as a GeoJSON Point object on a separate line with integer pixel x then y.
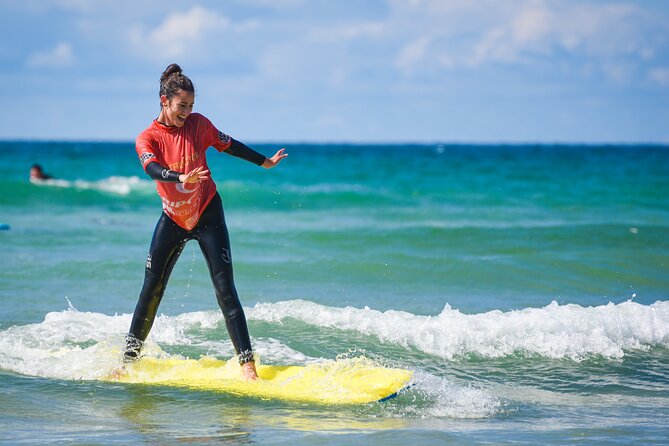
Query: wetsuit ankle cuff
{"type": "Point", "coordinates": [132, 348]}
{"type": "Point", "coordinates": [245, 356]}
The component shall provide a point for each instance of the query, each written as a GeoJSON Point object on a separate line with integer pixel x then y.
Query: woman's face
{"type": "Point", "coordinates": [176, 110]}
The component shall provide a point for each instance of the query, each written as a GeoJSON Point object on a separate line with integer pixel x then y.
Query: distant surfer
{"type": "Point", "coordinates": [172, 152]}
{"type": "Point", "coordinates": [37, 174]}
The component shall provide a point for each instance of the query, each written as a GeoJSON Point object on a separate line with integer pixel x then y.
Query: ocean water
{"type": "Point", "coordinates": [526, 286]}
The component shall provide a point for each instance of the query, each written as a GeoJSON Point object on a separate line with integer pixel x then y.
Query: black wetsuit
{"type": "Point", "coordinates": [167, 244]}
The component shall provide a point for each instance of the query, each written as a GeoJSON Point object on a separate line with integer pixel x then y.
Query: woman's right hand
{"type": "Point", "coordinates": [194, 176]}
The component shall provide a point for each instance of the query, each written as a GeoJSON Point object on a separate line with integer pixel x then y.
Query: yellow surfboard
{"type": "Point", "coordinates": [344, 381]}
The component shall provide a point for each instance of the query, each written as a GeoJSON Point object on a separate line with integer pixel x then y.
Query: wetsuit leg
{"type": "Point", "coordinates": [212, 235]}
{"type": "Point", "coordinates": [166, 246]}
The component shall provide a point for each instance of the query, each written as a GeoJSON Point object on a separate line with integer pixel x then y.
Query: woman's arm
{"type": "Point", "coordinates": [159, 173]}
{"type": "Point", "coordinates": [241, 150]}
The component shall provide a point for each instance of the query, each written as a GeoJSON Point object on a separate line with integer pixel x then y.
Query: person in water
{"type": "Point", "coordinates": [172, 152]}
{"type": "Point", "coordinates": [37, 174]}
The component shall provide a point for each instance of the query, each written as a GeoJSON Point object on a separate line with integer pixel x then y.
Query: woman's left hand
{"type": "Point", "coordinates": [276, 159]}
{"type": "Point", "coordinates": [194, 176]}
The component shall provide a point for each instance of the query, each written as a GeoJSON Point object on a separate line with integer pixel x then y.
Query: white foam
{"type": "Point", "coordinates": [82, 345]}
{"type": "Point", "coordinates": [448, 400]}
{"type": "Point", "coordinates": [555, 331]}
{"type": "Point", "coordinates": [333, 188]}
{"type": "Point", "coordinates": [67, 345]}
{"type": "Point", "coordinates": [115, 184]}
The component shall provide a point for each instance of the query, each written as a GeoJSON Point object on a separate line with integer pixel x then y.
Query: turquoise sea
{"type": "Point", "coordinates": [527, 286]}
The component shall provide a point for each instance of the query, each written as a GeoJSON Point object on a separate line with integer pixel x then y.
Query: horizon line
{"type": "Point", "coordinates": [368, 143]}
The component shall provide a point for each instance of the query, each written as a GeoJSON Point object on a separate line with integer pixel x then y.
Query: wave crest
{"type": "Point", "coordinates": [114, 184]}
{"type": "Point", "coordinates": [555, 331]}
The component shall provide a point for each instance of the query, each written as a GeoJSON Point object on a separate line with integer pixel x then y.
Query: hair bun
{"type": "Point", "coordinates": [173, 80]}
{"type": "Point", "coordinates": [171, 69]}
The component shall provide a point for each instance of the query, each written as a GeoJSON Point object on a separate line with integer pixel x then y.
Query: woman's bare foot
{"type": "Point", "coordinates": [117, 373]}
{"type": "Point", "coordinates": [249, 371]}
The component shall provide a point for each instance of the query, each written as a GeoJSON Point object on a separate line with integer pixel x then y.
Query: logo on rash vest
{"type": "Point", "coordinates": [172, 207]}
{"type": "Point", "coordinates": [181, 187]}
{"type": "Point", "coordinates": [192, 221]}
{"type": "Point", "coordinates": [224, 138]}
{"type": "Point", "coordinates": [144, 157]}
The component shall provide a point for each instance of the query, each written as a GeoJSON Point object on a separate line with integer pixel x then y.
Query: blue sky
{"type": "Point", "coordinates": [357, 71]}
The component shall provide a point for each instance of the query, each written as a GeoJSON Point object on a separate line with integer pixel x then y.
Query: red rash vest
{"type": "Point", "coordinates": [182, 149]}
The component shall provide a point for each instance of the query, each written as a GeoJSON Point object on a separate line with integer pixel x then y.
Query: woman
{"type": "Point", "coordinates": [37, 174]}
{"type": "Point", "coordinates": [172, 152]}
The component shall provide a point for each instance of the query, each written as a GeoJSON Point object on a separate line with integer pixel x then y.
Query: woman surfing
{"type": "Point", "coordinates": [172, 152]}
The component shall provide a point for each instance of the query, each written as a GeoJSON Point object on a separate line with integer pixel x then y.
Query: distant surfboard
{"type": "Point", "coordinates": [345, 381]}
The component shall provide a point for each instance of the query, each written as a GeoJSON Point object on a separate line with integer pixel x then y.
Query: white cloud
{"type": "Point", "coordinates": [58, 57]}
{"type": "Point", "coordinates": [660, 76]}
{"type": "Point", "coordinates": [184, 33]}
{"type": "Point", "coordinates": [368, 62]}
{"type": "Point", "coordinates": [349, 31]}
{"type": "Point", "coordinates": [426, 38]}
{"type": "Point", "coordinates": [412, 54]}
{"type": "Point", "coordinates": [531, 24]}
{"type": "Point", "coordinates": [446, 34]}
{"type": "Point", "coordinates": [180, 31]}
